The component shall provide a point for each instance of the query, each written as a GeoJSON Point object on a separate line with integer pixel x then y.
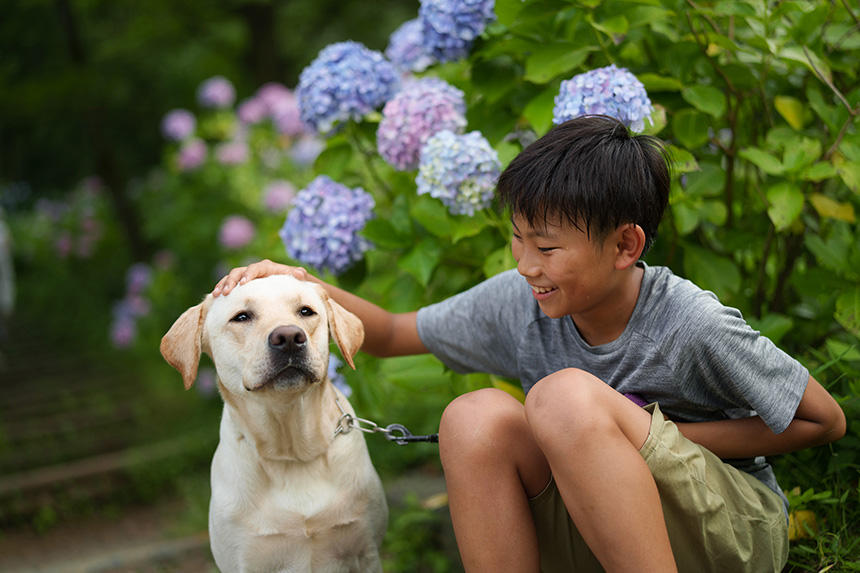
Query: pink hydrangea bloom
{"type": "Point", "coordinates": [191, 155]}
{"type": "Point", "coordinates": [278, 195]}
{"type": "Point", "coordinates": [236, 232]}
{"type": "Point", "coordinates": [232, 152]}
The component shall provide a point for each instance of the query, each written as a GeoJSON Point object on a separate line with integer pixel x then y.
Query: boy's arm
{"type": "Point", "coordinates": [385, 333]}
{"type": "Point", "coordinates": [818, 420]}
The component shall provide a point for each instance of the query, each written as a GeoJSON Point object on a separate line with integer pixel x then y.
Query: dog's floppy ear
{"type": "Point", "coordinates": [181, 345]}
{"type": "Point", "coordinates": [346, 329]}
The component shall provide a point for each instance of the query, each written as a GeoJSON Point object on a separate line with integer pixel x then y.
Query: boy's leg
{"type": "Point", "coordinates": [492, 467]}
{"type": "Point", "coordinates": [591, 435]}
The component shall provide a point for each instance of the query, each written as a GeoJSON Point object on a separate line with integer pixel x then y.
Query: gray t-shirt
{"type": "Point", "coordinates": [681, 348]}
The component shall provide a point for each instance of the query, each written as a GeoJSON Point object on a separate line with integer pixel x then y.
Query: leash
{"type": "Point", "coordinates": [397, 433]}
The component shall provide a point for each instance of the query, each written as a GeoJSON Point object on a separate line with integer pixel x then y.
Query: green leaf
{"type": "Point", "coordinates": [383, 234]}
{"type": "Point", "coordinates": [655, 123]}
{"type": "Point", "coordinates": [710, 181]}
{"type": "Point", "coordinates": [538, 111]}
{"type": "Point", "coordinates": [819, 171]}
{"type": "Point", "coordinates": [507, 11]}
{"type": "Point", "coordinates": [801, 153]}
{"type": "Point", "coordinates": [711, 271]}
{"type": "Point", "coordinates": [682, 160]}
{"type": "Point", "coordinates": [422, 260]}
{"type": "Point", "coordinates": [849, 171]}
{"type": "Point", "coordinates": [507, 150]}
{"type": "Point", "coordinates": [432, 215]}
{"type": "Point", "coordinates": [808, 58]}
{"type": "Point", "coordinates": [828, 207]}
{"type": "Point", "coordinates": [706, 98]}
{"type": "Point", "coordinates": [495, 77]}
{"type": "Point", "coordinates": [550, 60]}
{"type": "Point", "coordinates": [656, 83]}
{"type": "Point", "coordinates": [791, 109]}
{"type": "Point", "coordinates": [762, 159]}
{"type": "Point", "coordinates": [848, 311]}
{"type": "Point", "coordinates": [686, 218]}
{"type": "Point", "coordinates": [691, 128]}
{"type": "Point", "coordinates": [333, 159]}
{"type": "Point", "coordinates": [465, 226]}
{"type": "Point", "coordinates": [786, 203]}
{"type": "Point", "coordinates": [498, 261]}
{"type": "Point", "coordinates": [614, 27]}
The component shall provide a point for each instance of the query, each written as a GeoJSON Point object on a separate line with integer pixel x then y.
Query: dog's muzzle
{"type": "Point", "coordinates": [290, 364]}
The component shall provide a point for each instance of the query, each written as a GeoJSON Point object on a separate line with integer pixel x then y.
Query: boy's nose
{"type": "Point", "coordinates": [527, 267]}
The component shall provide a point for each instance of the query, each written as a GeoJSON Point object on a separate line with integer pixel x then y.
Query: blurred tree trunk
{"type": "Point", "coordinates": [262, 57]}
{"type": "Point", "coordinates": [107, 166]}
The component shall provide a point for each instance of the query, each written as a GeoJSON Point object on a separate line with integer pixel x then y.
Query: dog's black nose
{"type": "Point", "coordinates": [287, 338]}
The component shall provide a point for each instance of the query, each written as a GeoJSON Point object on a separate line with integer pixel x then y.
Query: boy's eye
{"type": "Point", "coordinates": [546, 249]}
{"type": "Point", "coordinates": [306, 311]}
{"type": "Point", "coordinates": [241, 316]}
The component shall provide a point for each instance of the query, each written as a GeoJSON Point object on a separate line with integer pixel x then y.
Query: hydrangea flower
{"type": "Point", "coordinates": [322, 228]}
{"type": "Point", "coordinates": [278, 195]}
{"type": "Point", "coordinates": [236, 232]}
{"type": "Point", "coordinates": [232, 152]}
{"type": "Point", "coordinates": [346, 81]}
{"type": "Point", "coordinates": [451, 26]}
{"type": "Point", "coordinates": [460, 170]}
{"type": "Point", "coordinates": [275, 102]}
{"type": "Point", "coordinates": [217, 92]}
{"type": "Point", "coordinates": [406, 48]}
{"type": "Point", "coordinates": [422, 108]}
{"type": "Point", "coordinates": [192, 154]}
{"type": "Point", "coordinates": [138, 277]}
{"type": "Point", "coordinates": [608, 91]}
{"type": "Point", "coordinates": [178, 124]}
{"type": "Point", "coordinates": [336, 377]}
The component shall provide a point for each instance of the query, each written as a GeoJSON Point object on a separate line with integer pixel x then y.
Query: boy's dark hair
{"type": "Point", "coordinates": [592, 171]}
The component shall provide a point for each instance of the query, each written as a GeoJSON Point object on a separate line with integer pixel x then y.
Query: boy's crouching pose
{"type": "Point", "coordinates": [582, 477]}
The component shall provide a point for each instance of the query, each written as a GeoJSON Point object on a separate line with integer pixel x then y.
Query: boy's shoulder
{"type": "Point", "coordinates": [670, 304]}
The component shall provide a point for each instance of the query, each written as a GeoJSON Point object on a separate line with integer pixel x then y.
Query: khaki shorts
{"type": "Point", "coordinates": [719, 518]}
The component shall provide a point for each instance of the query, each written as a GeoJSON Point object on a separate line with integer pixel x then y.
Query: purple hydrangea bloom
{"type": "Point", "coordinates": [252, 110]}
{"type": "Point", "coordinates": [346, 81]}
{"type": "Point", "coordinates": [137, 278]}
{"type": "Point", "coordinates": [178, 124]}
{"type": "Point", "coordinates": [278, 195]}
{"type": "Point", "coordinates": [406, 48]}
{"type": "Point", "coordinates": [460, 170]}
{"type": "Point", "coordinates": [322, 228]}
{"type": "Point", "coordinates": [282, 107]}
{"type": "Point", "coordinates": [422, 108]}
{"type": "Point", "coordinates": [451, 26]}
{"type": "Point", "coordinates": [236, 232]}
{"type": "Point", "coordinates": [232, 152]}
{"type": "Point", "coordinates": [608, 91]}
{"type": "Point", "coordinates": [217, 92]}
{"type": "Point", "coordinates": [192, 154]}
{"type": "Point", "coordinates": [336, 377]}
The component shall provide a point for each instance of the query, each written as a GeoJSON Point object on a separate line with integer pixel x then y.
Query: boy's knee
{"type": "Point", "coordinates": [568, 401]}
{"type": "Point", "coordinates": [476, 420]}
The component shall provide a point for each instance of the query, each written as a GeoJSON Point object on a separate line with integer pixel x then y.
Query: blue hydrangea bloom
{"type": "Point", "coordinates": [460, 170]}
{"type": "Point", "coordinates": [608, 91]}
{"type": "Point", "coordinates": [451, 26]}
{"type": "Point", "coordinates": [422, 108]}
{"type": "Point", "coordinates": [406, 47]}
{"type": "Point", "coordinates": [322, 228]}
{"type": "Point", "coordinates": [345, 81]}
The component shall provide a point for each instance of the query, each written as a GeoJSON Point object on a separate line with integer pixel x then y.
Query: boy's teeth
{"type": "Point", "coordinates": [541, 290]}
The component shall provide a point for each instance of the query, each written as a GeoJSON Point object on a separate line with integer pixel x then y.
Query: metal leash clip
{"type": "Point", "coordinates": [400, 435]}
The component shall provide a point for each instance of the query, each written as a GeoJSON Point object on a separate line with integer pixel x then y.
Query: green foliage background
{"type": "Point", "coordinates": [758, 101]}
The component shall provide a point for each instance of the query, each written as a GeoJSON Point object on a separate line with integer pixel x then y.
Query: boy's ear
{"type": "Point", "coordinates": [631, 242]}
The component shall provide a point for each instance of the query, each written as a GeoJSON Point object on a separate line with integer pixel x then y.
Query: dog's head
{"type": "Point", "coordinates": [268, 333]}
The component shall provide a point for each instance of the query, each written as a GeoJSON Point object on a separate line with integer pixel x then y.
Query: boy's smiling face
{"type": "Point", "coordinates": [569, 274]}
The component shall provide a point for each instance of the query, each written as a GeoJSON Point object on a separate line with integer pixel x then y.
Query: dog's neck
{"type": "Point", "coordinates": [297, 427]}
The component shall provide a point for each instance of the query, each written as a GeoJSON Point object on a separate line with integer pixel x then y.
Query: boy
{"type": "Point", "coordinates": [580, 477]}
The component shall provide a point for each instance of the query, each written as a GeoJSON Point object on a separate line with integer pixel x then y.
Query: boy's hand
{"type": "Point", "coordinates": [264, 268]}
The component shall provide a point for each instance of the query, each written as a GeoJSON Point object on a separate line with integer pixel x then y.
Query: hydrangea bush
{"type": "Point", "coordinates": [322, 229]}
{"type": "Point", "coordinates": [422, 108]}
{"type": "Point", "coordinates": [451, 26]}
{"type": "Point", "coordinates": [406, 49]}
{"type": "Point", "coordinates": [345, 82]}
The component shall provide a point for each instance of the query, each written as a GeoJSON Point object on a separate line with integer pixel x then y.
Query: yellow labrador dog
{"type": "Point", "coordinates": [289, 491]}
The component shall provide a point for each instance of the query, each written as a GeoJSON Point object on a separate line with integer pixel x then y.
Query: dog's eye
{"type": "Point", "coordinates": [306, 311]}
{"type": "Point", "coordinates": [241, 317]}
